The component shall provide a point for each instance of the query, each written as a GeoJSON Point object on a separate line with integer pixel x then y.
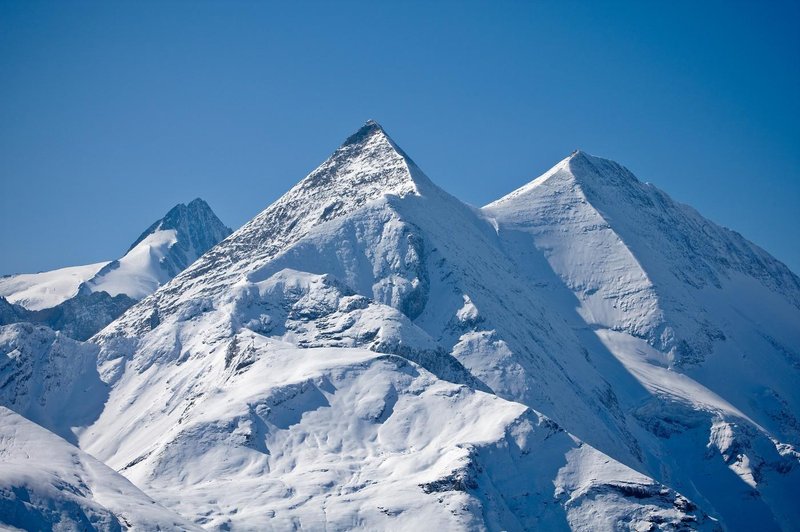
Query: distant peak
{"type": "Point", "coordinates": [198, 202]}
{"type": "Point", "coordinates": [196, 217]}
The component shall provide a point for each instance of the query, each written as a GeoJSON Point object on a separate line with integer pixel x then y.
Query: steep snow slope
{"type": "Point", "coordinates": [36, 291]}
{"type": "Point", "coordinates": [361, 254]}
{"type": "Point", "coordinates": [48, 484]}
{"type": "Point", "coordinates": [704, 320]}
{"type": "Point", "coordinates": [636, 257]}
{"type": "Point", "coordinates": [254, 433]}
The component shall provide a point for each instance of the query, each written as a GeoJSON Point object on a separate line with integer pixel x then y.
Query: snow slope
{"type": "Point", "coordinates": [704, 320]}
{"type": "Point", "coordinates": [344, 438]}
{"type": "Point", "coordinates": [162, 251]}
{"type": "Point", "coordinates": [139, 272]}
{"type": "Point", "coordinates": [49, 378]}
{"type": "Point", "coordinates": [639, 261]}
{"type": "Point", "coordinates": [37, 291]}
{"type": "Point", "coordinates": [48, 484]}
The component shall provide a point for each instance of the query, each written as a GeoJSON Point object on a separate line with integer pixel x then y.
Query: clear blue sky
{"type": "Point", "coordinates": [112, 112]}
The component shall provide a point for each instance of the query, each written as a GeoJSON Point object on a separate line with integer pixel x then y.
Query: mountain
{"type": "Point", "coordinates": [704, 320]}
{"type": "Point", "coordinates": [371, 352]}
{"type": "Point", "coordinates": [161, 252]}
{"type": "Point", "coordinates": [642, 263]}
{"type": "Point", "coordinates": [367, 253]}
{"type": "Point", "coordinates": [81, 300]}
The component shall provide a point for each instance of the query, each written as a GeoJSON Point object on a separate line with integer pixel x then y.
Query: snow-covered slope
{"type": "Point", "coordinates": [705, 321]}
{"type": "Point", "coordinates": [48, 484]}
{"type": "Point", "coordinates": [636, 258]}
{"type": "Point", "coordinates": [49, 378]}
{"type": "Point", "coordinates": [162, 251]}
{"type": "Point", "coordinates": [366, 167]}
{"type": "Point", "coordinates": [272, 437]}
{"type": "Point", "coordinates": [37, 291]}
{"type": "Point", "coordinates": [82, 300]}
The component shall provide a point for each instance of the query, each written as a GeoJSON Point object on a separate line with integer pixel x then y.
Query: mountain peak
{"type": "Point", "coordinates": [578, 169]}
{"type": "Point", "coordinates": [195, 218]}
{"type": "Point", "coordinates": [367, 165]}
{"type": "Point", "coordinates": [370, 127]}
{"type": "Point", "coordinates": [162, 251]}
{"type": "Point", "coordinates": [198, 203]}
{"type": "Point", "coordinates": [588, 168]}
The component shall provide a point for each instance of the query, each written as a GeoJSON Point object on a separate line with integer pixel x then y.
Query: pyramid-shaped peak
{"type": "Point", "coordinates": [198, 203]}
{"type": "Point", "coordinates": [368, 164]}
{"type": "Point", "coordinates": [369, 129]}
{"type": "Point", "coordinates": [366, 168]}
{"type": "Point", "coordinates": [373, 132]}
{"type": "Point", "coordinates": [578, 169]}
{"type": "Point", "coordinates": [585, 166]}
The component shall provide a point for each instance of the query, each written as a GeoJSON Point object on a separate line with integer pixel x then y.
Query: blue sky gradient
{"type": "Point", "coordinates": [112, 112]}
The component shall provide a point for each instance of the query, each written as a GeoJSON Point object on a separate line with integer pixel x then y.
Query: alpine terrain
{"type": "Point", "coordinates": [81, 300]}
{"type": "Point", "coordinates": [371, 353]}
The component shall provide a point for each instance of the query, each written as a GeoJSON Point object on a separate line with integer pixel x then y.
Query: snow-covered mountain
{"type": "Point", "coordinates": [161, 252]}
{"type": "Point", "coordinates": [705, 321]}
{"type": "Point", "coordinates": [370, 352]}
{"type": "Point", "coordinates": [81, 300]}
